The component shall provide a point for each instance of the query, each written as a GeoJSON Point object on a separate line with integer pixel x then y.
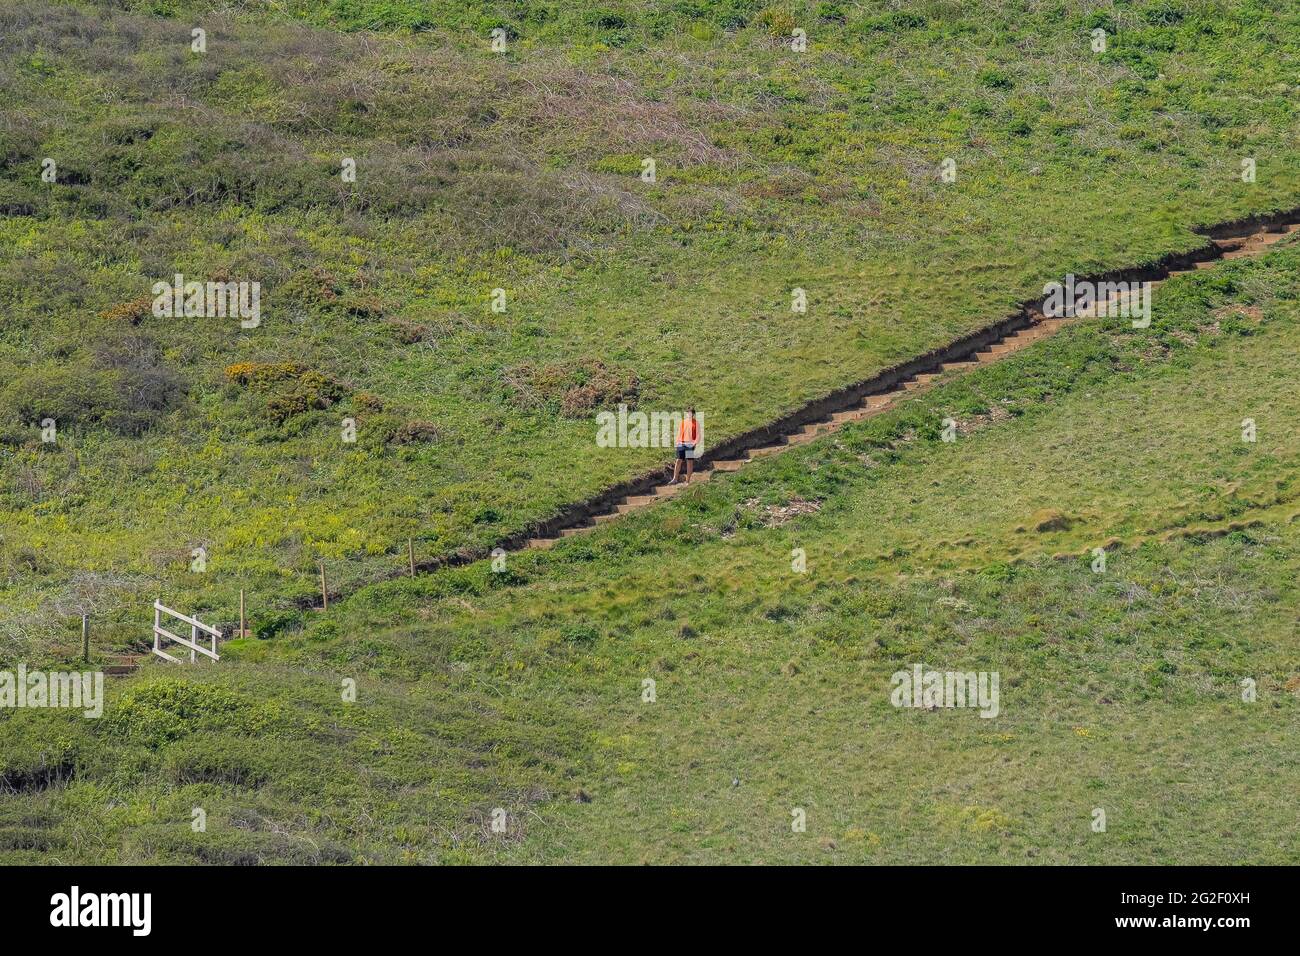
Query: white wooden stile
{"type": "Point", "coordinates": [197, 627]}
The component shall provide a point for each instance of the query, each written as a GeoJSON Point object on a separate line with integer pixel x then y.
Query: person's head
{"type": "Point", "coordinates": [690, 413]}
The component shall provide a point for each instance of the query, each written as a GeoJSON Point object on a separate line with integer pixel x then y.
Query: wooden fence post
{"type": "Point", "coordinates": [324, 589]}
{"type": "Point", "coordinates": [410, 555]}
{"type": "Point", "coordinates": [243, 625]}
{"type": "Point", "coordinates": [85, 637]}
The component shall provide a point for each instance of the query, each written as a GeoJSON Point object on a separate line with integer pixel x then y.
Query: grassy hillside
{"type": "Point", "coordinates": [1121, 689]}
{"type": "Point", "coordinates": [520, 171]}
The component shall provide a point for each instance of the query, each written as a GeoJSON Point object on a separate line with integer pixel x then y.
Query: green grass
{"type": "Point", "coordinates": [479, 171]}
{"type": "Point", "coordinates": [475, 690]}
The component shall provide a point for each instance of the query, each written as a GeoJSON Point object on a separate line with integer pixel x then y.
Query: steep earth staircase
{"type": "Point", "coordinates": [1040, 326]}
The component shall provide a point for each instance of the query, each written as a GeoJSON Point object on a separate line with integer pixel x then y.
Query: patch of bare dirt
{"type": "Point", "coordinates": [995, 414]}
{"type": "Point", "coordinates": [773, 516]}
{"type": "Point", "coordinates": [1242, 313]}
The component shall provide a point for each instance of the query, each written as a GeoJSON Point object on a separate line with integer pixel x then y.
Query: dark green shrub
{"type": "Point", "coordinates": [164, 710]}
{"type": "Point", "coordinates": [896, 22]}
{"type": "Point", "coordinates": [996, 80]}
{"type": "Point", "coordinates": [580, 632]}
{"type": "Point", "coordinates": [275, 624]}
{"type": "Point", "coordinates": [122, 385]}
{"type": "Point", "coordinates": [229, 760]}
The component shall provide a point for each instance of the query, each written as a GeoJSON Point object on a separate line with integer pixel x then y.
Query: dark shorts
{"type": "Point", "coordinates": [683, 451]}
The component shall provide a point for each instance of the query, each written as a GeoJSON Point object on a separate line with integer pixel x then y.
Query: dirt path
{"type": "Point", "coordinates": [873, 402]}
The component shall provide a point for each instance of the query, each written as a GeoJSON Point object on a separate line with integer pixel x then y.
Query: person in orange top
{"type": "Point", "coordinates": [688, 436]}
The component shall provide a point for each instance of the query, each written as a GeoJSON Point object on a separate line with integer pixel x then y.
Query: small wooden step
{"type": "Point", "coordinates": [666, 490]}
{"type": "Point", "coordinates": [542, 544]}
{"type": "Point", "coordinates": [769, 450]}
{"type": "Point", "coordinates": [1251, 245]}
{"type": "Point", "coordinates": [848, 415]}
{"type": "Point", "coordinates": [731, 464]}
{"type": "Point", "coordinates": [608, 516]}
{"type": "Point", "coordinates": [576, 529]}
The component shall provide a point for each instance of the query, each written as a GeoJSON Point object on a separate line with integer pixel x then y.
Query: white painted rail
{"type": "Point", "coordinates": [197, 627]}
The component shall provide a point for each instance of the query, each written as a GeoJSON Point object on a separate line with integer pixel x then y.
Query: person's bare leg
{"type": "Point", "coordinates": [690, 469]}
{"type": "Point", "coordinates": [677, 469]}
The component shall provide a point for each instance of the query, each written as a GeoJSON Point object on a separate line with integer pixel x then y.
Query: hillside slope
{"type": "Point", "coordinates": [524, 691]}
{"type": "Point", "coordinates": [520, 171]}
